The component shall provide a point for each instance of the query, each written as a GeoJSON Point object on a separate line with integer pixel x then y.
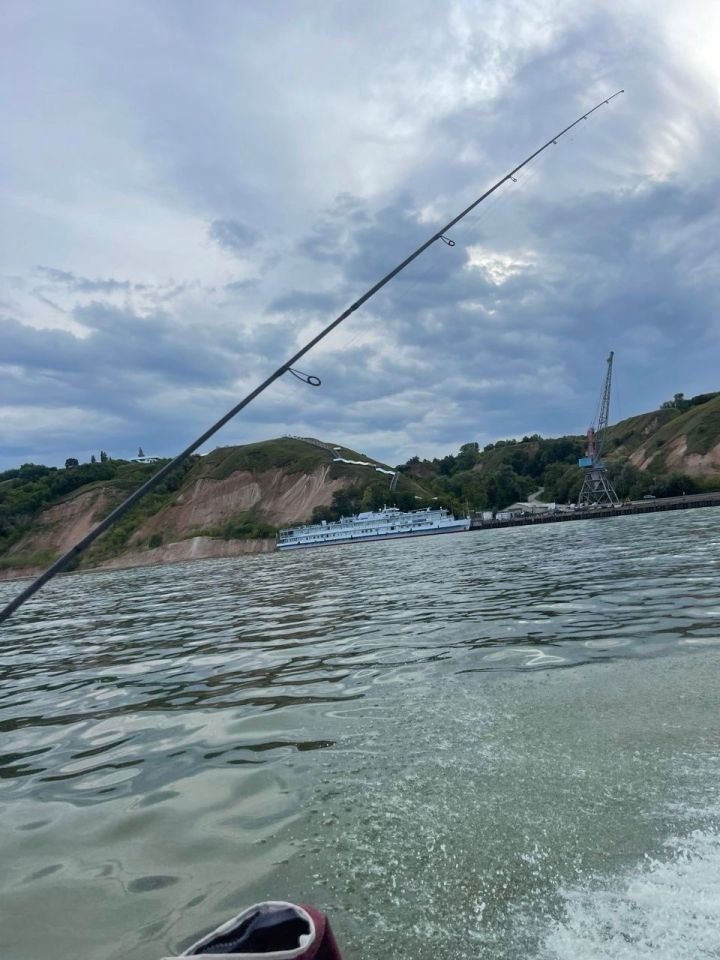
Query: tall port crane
{"type": "Point", "coordinates": [597, 488]}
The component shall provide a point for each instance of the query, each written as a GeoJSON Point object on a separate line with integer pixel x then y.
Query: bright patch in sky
{"type": "Point", "coordinates": [497, 267]}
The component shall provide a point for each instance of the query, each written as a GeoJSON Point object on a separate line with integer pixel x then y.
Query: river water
{"type": "Point", "coordinates": [491, 745]}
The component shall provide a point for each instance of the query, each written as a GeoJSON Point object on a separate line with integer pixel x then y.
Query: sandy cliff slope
{"type": "Point", "coordinates": [685, 442]}
{"type": "Point", "coordinates": [279, 497]}
{"type": "Point", "coordinates": [189, 523]}
{"type": "Point", "coordinates": [61, 526]}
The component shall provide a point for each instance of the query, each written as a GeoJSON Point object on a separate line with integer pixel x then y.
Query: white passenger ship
{"type": "Point", "coordinates": [386, 524]}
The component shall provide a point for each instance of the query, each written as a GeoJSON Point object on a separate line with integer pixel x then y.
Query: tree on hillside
{"type": "Point", "coordinates": [505, 487]}
{"type": "Point", "coordinates": [93, 458]}
{"type": "Point", "coordinates": [71, 462]}
{"type": "Point", "coordinates": [103, 457]}
{"type": "Point", "coordinates": [467, 457]}
{"type": "Point", "coordinates": [562, 482]}
{"type": "Point", "coordinates": [701, 398]}
{"type": "Point", "coordinates": [140, 452]}
{"type": "Point", "coordinates": [404, 500]}
{"type": "Point", "coordinates": [33, 471]}
{"type": "Point", "coordinates": [447, 465]}
{"type": "Point", "coordinates": [678, 402]}
{"type": "Point", "coordinates": [676, 485]}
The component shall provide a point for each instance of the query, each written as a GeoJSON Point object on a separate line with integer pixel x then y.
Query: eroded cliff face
{"type": "Point", "coordinates": [61, 526]}
{"type": "Point", "coordinates": [201, 506]}
{"type": "Point", "coordinates": [676, 457]}
{"type": "Point", "coordinates": [278, 497]}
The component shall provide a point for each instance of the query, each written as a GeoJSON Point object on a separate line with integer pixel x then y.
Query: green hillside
{"type": "Point", "coordinates": [697, 420]}
{"type": "Point", "coordinates": [647, 454]}
{"type": "Point", "coordinates": [699, 425]}
{"type": "Point", "coordinates": [669, 451]}
{"type": "Point", "coordinates": [29, 491]}
{"type": "Point", "coordinates": [294, 456]}
{"type": "Point", "coordinates": [35, 500]}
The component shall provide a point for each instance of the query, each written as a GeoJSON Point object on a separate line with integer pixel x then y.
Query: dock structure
{"type": "Point", "coordinates": [606, 512]}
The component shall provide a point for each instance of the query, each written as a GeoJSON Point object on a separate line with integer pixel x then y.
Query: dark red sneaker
{"type": "Point", "coordinates": [273, 930]}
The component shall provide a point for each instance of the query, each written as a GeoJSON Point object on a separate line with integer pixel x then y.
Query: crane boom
{"type": "Point", "coordinates": [604, 411]}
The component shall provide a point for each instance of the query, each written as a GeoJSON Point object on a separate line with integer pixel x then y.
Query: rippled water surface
{"type": "Point", "coordinates": [485, 745]}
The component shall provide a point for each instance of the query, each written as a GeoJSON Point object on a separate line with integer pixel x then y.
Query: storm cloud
{"type": "Point", "coordinates": [201, 215]}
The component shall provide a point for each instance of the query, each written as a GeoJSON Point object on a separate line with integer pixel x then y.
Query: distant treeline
{"type": "Point", "coordinates": [29, 489]}
{"type": "Point", "coordinates": [679, 402]}
{"type": "Point", "coordinates": [510, 470]}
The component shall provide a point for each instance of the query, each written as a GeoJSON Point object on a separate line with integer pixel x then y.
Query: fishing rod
{"type": "Point", "coordinates": [286, 367]}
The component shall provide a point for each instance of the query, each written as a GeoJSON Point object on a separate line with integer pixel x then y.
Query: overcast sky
{"type": "Point", "coordinates": [189, 190]}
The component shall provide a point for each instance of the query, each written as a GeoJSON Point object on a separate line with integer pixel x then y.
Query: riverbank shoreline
{"type": "Point", "coordinates": [195, 548]}
{"type": "Point", "coordinates": [214, 548]}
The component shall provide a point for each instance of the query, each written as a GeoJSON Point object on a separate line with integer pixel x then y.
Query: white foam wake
{"type": "Point", "coordinates": [664, 910]}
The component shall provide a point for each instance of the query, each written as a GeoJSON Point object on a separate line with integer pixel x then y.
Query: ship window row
{"type": "Point", "coordinates": [362, 523]}
{"type": "Point", "coordinates": [351, 531]}
{"type": "Point", "coordinates": [338, 533]}
{"type": "Point", "coordinates": [328, 531]}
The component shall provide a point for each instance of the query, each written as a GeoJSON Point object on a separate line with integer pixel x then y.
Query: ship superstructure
{"type": "Point", "coordinates": [386, 524]}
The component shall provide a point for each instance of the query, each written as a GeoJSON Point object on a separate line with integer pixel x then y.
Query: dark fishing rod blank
{"type": "Point", "coordinates": [150, 484]}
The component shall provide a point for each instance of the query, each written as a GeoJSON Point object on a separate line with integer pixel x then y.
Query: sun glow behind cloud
{"type": "Point", "coordinates": [497, 267]}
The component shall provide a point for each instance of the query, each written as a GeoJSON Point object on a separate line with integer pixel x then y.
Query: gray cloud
{"type": "Point", "coordinates": [303, 301]}
{"type": "Point", "coordinates": [83, 284]}
{"type": "Point", "coordinates": [638, 279]}
{"type": "Point", "coordinates": [232, 235]}
{"type": "Point", "coordinates": [240, 286]}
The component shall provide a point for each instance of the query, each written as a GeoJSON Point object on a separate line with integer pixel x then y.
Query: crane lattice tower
{"type": "Point", "coordinates": [597, 487]}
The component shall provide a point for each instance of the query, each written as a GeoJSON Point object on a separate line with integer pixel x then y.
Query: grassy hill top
{"type": "Point", "coordinates": [291, 454]}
